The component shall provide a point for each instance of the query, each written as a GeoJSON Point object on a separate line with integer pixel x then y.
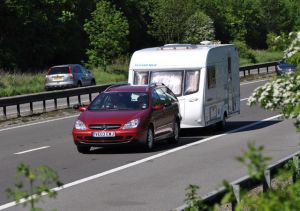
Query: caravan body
{"type": "Point", "coordinates": [205, 78]}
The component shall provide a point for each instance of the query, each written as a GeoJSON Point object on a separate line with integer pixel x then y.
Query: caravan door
{"type": "Point", "coordinates": [230, 91]}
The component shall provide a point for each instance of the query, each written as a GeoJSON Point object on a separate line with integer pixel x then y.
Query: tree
{"type": "Point", "coordinates": [107, 31]}
{"type": "Point", "coordinates": [169, 19]}
{"type": "Point", "coordinates": [199, 27]}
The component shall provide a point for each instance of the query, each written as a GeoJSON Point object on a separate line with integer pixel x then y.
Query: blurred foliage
{"type": "Point", "coordinates": [33, 184]}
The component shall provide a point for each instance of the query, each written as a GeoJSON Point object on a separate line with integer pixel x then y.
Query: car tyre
{"type": "Point", "coordinates": [150, 140]}
{"type": "Point", "coordinates": [175, 136]}
{"type": "Point", "coordinates": [222, 124]}
{"type": "Point", "coordinates": [83, 149]}
{"type": "Point", "coordinates": [93, 82]}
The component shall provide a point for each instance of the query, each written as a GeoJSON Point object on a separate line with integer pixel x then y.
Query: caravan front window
{"type": "Point", "coordinates": [141, 78]}
{"type": "Point", "coordinates": [172, 79]}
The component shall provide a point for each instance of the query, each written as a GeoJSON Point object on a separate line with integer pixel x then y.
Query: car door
{"type": "Point", "coordinates": [159, 118]}
{"type": "Point", "coordinates": [84, 76]}
{"type": "Point", "coordinates": [171, 108]}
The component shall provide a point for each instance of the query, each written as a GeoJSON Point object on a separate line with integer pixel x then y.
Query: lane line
{"type": "Point", "coordinates": [244, 99]}
{"type": "Point", "coordinates": [37, 123]}
{"type": "Point", "coordinates": [252, 82]}
{"type": "Point", "coordinates": [96, 176]}
{"type": "Point", "coordinates": [31, 150]}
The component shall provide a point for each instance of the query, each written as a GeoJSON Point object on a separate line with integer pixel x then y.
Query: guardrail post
{"type": "Point", "coordinates": [79, 99]}
{"type": "Point", "coordinates": [55, 103]}
{"type": "Point", "coordinates": [44, 105]}
{"type": "Point", "coordinates": [68, 102]}
{"type": "Point", "coordinates": [31, 108]}
{"type": "Point", "coordinates": [267, 69]}
{"type": "Point", "coordinates": [296, 173]}
{"type": "Point", "coordinates": [90, 97]}
{"type": "Point", "coordinates": [248, 71]}
{"type": "Point", "coordinates": [237, 194]}
{"type": "Point", "coordinates": [267, 180]}
{"type": "Point", "coordinates": [4, 112]}
{"type": "Point", "coordinates": [18, 110]}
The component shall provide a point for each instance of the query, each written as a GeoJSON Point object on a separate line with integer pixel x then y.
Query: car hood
{"type": "Point", "coordinates": [110, 117]}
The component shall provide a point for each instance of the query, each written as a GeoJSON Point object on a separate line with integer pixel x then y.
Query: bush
{"type": "Point", "coordinates": [277, 43]}
{"type": "Point", "coordinates": [245, 52]}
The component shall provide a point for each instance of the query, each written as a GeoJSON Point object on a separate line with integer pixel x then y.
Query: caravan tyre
{"type": "Point", "coordinates": [222, 124]}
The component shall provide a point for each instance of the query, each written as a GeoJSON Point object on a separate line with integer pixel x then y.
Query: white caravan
{"type": "Point", "coordinates": [205, 78]}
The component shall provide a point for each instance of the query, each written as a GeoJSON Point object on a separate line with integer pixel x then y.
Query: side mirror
{"type": "Point", "coordinates": [158, 107]}
{"type": "Point", "coordinates": [79, 107]}
{"type": "Point", "coordinates": [82, 108]}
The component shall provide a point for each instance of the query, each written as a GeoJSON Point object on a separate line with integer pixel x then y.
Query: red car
{"type": "Point", "coordinates": [127, 114]}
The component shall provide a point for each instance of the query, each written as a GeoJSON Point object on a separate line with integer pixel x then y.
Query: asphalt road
{"type": "Point", "coordinates": [129, 179]}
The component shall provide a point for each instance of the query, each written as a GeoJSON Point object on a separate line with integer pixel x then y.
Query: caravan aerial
{"type": "Point", "coordinates": [205, 78]}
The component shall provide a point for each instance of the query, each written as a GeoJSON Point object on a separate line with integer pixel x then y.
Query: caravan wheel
{"type": "Point", "coordinates": [222, 124]}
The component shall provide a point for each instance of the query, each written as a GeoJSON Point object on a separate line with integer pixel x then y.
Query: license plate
{"type": "Point", "coordinates": [103, 134]}
{"type": "Point", "coordinates": [57, 78]}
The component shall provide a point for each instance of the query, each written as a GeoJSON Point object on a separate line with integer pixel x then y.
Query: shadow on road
{"type": "Point", "coordinates": [186, 136]}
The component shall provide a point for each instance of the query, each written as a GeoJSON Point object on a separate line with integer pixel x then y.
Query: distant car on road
{"type": "Point", "coordinates": [283, 68]}
{"type": "Point", "coordinates": [67, 76]}
{"type": "Point", "coordinates": [128, 114]}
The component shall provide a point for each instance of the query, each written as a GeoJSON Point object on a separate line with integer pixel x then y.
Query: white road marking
{"type": "Point", "coordinates": [37, 123]}
{"type": "Point", "coordinates": [96, 176]}
{"type": "Point", "coordinates": [244, 99]}
{"type": "Point", "coordinates": [252, 82]}
{"type": "Point", "coordinates": [31, 150]}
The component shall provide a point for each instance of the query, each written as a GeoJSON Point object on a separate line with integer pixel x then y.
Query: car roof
{"type": "Point", "coordinates": [65, 65]}
{"type": "Point", "coordinates": [130, 88]}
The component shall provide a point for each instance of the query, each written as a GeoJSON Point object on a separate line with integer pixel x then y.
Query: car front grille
{"type": "Point", "coordinates": [105, 126]}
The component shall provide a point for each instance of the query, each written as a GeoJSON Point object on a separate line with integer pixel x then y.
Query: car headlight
{"type": "Point", "coordinates": [132, 124]}
{"type": "Point", "coordinates": [79, 125]}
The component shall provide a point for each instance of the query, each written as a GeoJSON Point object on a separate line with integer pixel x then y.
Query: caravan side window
{"type": "Point", "coordinates": [141, 78]}
{"type": "Point", "coordinates": [191, 84]}
{"type": "Point", "coordinates": [211, 77]}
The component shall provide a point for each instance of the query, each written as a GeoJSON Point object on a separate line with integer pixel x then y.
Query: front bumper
{"type": "Point", "coordinates": [122, 137]}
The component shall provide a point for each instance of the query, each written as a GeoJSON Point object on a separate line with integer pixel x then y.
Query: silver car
{"type": "Point", "coordinates": [67, 76]}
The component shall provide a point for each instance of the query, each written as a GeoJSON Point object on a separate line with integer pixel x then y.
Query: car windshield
{"type": "Point", "coordinates": [120, 101]}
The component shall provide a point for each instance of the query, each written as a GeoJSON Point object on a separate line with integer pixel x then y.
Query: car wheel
{"type": "Point", "coordinates": [222, 124]}
{"type": "Point", "coordinates": [93, 82]}
{"type": "Point", "coordinates": [83, 149]}
{"type": "Point", "coordinates": [175, 136]}
{"type": "Point", "coordinates": [150, 140]}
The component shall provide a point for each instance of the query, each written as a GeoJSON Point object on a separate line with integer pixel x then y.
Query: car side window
{"type": "Point", "coordinates": [170, 97]}
{"type": "Point", "coordinates": [76, 69]}
{"type": "Point", "coordinates": [161, 96]}
{"type": "Point", "coordinates": [155, 98]}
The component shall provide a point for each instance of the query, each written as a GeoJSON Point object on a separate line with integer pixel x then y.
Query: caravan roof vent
{"type": "Point", "coordinates": [206, 42]}
{"type": "Point", "coordinates": [177, 46]}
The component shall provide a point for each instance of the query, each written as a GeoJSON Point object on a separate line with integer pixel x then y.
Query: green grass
{"type": "Point", "coordinates": [20, 83]}
{"type": "Point", "coordinates": [262, 56]}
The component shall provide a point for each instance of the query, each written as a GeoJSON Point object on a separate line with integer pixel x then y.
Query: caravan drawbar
{"type": "Point", "coordinates": [205, 79]}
